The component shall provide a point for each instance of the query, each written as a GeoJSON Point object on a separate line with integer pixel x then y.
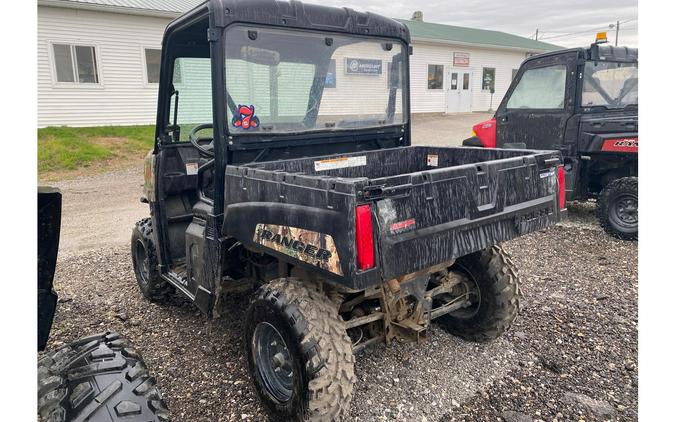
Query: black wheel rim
{"type": "Point", "coordinates": [469, 288]}
{"type": "Point", "coordinates": [624, 211]}
{"type": "Point", "coordinates": [273, 362]}
{"type": "Point", "coordinates": [142, 266]}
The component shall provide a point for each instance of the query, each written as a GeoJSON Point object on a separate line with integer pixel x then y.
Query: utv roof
{"type": "Point", "coordinates": [601, 52]}
{"type": "Point", "coordinates": [294, 14]}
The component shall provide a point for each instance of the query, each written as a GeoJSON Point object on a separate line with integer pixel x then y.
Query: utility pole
{"type": "Point", "coordinates": [536, 35]}
{"type": "Point", "coordinates": [616, 42]}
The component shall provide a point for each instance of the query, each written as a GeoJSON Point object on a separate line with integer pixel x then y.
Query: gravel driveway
{"type": "Point", "coordinates": [571, 355]}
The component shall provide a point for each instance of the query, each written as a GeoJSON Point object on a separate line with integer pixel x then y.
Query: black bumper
{"type": "Point", "coordinates": [472, 142]}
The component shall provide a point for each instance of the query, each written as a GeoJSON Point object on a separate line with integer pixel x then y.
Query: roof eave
{"type": "Point", "coordinates": [478, 45]}
{"type": "Point", "coordinates": [109, 9]}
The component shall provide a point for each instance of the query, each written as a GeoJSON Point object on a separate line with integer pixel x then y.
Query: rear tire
{"type": "Point", "coordinates": [495, 276]}
{"type": "Point", "coordinates": [617, 208]}
{"type": "Point", "coordinates": [144, 257]}
{"type": "Point", "coordinates": [299, 354]}
{"type": "Point", "coordinates": [98, 379]}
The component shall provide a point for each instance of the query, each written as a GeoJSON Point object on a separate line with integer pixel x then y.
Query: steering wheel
{"type": "Point", "coordinates": [194, 140]}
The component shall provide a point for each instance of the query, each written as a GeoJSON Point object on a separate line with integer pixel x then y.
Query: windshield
{"type": "Point", "coordinates": [610, 85]}
{"type": "Point", "coordinates": [295, 81]}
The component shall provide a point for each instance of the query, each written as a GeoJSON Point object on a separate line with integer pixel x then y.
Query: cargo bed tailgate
{"type": "Point", "coordinates": [437, 215]}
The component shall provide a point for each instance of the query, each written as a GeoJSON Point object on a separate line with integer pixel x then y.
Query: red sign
{"type": "Point", "coordinates": [460, 59]}
{"type": "Point", "coordinates": [620, 145]}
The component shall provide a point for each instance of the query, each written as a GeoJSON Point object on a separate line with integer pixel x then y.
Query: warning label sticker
{"type": "Point", "coordinates": [191, 168]}
{"type": "Point", "coordinates": [340, 163]}
{"type": "Point", "coordinates": [432, 160]}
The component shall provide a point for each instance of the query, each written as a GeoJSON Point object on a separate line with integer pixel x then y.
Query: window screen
{"type": "Point", "coordinates": [542, 88]}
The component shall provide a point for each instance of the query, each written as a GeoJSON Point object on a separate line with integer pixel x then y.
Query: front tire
{"type": "Point", "coordinates": [299, 354]}
{"type": "Point", "coordinates": [617, 208]}
{"type": "Point", "coordinates": [144, 258]}
{"type": "Point", "coordinates": [493, 281]}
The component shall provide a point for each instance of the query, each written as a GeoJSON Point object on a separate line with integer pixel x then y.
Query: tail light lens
{"type": "Point", "coordinates": [365, 252]}
{"type": "Point", "coordinates": [561, 187]}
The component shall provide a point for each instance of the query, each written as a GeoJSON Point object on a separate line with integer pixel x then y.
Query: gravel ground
{"type": "Point", "coordinates": [571, 355]}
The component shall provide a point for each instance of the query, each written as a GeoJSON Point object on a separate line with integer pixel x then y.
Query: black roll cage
{"type": "Point", "coordinates": [215, 17]}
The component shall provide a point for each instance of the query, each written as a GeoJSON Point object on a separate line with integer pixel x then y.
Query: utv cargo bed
{"type": "Point", "coordinates": [426, 206]}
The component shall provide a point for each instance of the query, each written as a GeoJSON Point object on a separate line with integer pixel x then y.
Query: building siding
{"type": "Point", "coordinates": [434, 100]}
{"type": "Point", "coordinates": [122, 97]}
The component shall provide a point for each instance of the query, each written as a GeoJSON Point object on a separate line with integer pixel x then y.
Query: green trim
{"type": "Point", "coordinates": [459, 34]}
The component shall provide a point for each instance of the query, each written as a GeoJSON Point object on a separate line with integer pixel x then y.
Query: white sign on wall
{"type": "Point", "coordinates": [461, 59]}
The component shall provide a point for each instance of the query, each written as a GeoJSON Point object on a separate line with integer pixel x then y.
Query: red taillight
{"type": "Point", "coordinates": [365, 252]}
{"type": "Point", "coordinates": [561, 187]}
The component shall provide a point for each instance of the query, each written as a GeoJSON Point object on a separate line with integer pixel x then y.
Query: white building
{"type": "Point", "coordinates": [98, 62]}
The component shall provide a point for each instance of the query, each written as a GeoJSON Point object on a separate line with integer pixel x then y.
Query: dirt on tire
{"type": "Point", "coordinates": [150, 282]}
{"type": "Point", "coordinates": [324, 348]}
{"type": "Point", "coordinates": [499, 286]}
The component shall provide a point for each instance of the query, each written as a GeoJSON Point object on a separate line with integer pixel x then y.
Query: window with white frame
{"type": "Point", "coordinates": [435, 76]}
{"type": "Point", "coordinates": [488, 79]}
{"type": "Point", "coordinates": [152, 58]}
{"type": "Point", "coordinates": [75, 63]}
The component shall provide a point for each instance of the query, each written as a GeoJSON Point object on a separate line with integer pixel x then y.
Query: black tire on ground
{"type": "Point", "coordinates": [144, 257]}
{"type": "Point", "coordinates": [97, 379]}
{"type": "Point", "coordinates": [617, 208]}
{"type": "Point", "coordinates": [299, 354]}
{"type": "Point", "coordinates": [498, 283]}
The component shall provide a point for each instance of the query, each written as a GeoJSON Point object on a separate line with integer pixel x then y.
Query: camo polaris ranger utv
{"type": "Point", "coordinates": [283, 161]}
{"type": "Point", "coordinates": [583, 102]}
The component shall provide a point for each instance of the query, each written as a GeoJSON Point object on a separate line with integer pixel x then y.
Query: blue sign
{"type": "Point", "coordinates": [363, 66]}
{"type": "Point", "coordinates": [331, 75]}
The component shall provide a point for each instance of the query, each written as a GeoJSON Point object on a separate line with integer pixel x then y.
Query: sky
{"type": "Point", "coordinates": [567, 23]}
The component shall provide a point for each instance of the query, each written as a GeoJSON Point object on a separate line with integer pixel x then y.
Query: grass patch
{"type": "Point", "coordinates": [67, 148]}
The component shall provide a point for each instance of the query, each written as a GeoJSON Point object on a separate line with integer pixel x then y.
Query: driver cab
{"type": "Point", "coordinates": [183, 158]}
{"type": "Point", "coordinates": [246, 90]}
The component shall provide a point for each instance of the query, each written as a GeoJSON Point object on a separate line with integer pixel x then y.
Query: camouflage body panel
{"type": "Point", "coordinates": [305, 245]}
{"type": "Point", "coordinates": [149, 177]}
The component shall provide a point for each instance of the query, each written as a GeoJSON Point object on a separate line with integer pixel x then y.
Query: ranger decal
{"type": "Point", "coordinates": [305, 245]}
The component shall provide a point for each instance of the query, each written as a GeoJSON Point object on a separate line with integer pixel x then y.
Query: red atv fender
{"type": "Point", "coordinates": [484, 135]}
